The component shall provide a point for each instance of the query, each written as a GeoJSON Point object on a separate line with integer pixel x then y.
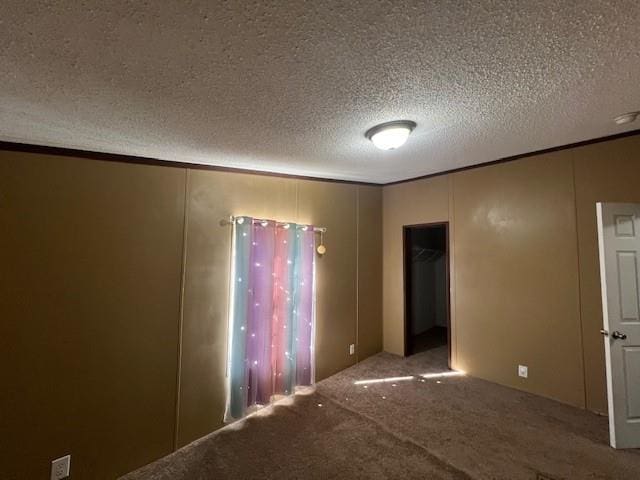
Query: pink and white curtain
{"type": "Point", "coordinates": [272, 312]}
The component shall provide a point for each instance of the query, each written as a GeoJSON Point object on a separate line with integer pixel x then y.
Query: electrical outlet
{"type": "Point", "coordinates": [523, 371]}
{"type": "Point", "coordinates": [352, 349]}
{"type": "Point", "coordinates": [60, 467]}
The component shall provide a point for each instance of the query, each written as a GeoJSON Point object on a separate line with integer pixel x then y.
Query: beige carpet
{"type": "Point", "coordinates": [445, 428]}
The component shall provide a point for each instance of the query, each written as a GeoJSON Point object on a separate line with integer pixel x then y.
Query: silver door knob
{"type": "Point", "coordinates": [604, 332]}
{"type": "Point", "coordinates": [618, 335]}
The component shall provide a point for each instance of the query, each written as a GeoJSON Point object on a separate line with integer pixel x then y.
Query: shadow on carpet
{"type": "Point", "coordinates": [313, 438]}
{"type": "Point", "coordinates": [409, 428]}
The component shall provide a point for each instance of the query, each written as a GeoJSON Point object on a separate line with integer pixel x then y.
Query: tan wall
{"type": "Point", "coordinates": [516, 276]}
{"type": "Point", "coordinates": [604, 172]}
{"type": "Point", "coordinates": [422, 201]}
{"type": "Point", "coordinates": [524, 269]}
{"type": "Point", "coordinates": [92, 290]}
{"type": "Point", "coordinates": [369, 271]}
{"type": "Point", "coordinates": [334, 206]}
{"type": "Point", "coordinates": [90, 256]}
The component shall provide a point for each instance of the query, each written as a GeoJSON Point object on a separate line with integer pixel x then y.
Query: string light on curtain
{"type": "Point", "coordinates": [272, 312]}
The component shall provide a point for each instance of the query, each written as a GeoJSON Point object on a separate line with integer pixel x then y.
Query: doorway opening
{"type": "Point", "coordinates": [427, 323]}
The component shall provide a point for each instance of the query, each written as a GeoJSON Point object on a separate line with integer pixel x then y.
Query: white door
{"type": "Point", "coordinates": [619, 243]}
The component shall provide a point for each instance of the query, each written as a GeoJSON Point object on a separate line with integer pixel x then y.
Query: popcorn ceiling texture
{"type": "Point", "coordinates": [291, 87]}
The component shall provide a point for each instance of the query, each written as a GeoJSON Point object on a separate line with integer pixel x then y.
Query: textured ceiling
{"type": "Point", "coordinates": [291, 87]}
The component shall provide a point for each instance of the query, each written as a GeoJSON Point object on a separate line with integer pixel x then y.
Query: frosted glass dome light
{"type": "Point", "coordinates": [390, 135]}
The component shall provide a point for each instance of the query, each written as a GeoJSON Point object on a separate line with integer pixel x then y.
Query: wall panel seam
{"type": "Point", "coordinates": [452, 275]}
{"type": "Point", "coordinates": [185, 224]}
{"type": "Point", "coordinates": [580, 320]}
{"type": "Point", "coordinates": [357, 340]}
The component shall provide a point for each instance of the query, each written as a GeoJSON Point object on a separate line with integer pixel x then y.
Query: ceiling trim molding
{"type": "Point", "coordinates": [122, 158]}
{"type": "Point", "coordinates": [568, 146]}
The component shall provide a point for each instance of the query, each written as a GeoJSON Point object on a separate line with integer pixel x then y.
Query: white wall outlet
{"type": "Point", "coordinates": [523, 371]}
{"type": "Point", "coordinates": [60, 467]}
{"type": "Point", "coordinates": [352, 349]}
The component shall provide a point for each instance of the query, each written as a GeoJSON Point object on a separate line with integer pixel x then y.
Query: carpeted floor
{"type": "Point", "coordinates": [434, 428]}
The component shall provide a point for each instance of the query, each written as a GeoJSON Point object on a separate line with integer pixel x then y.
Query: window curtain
{"type": "Point", "coordinates": [272, 312]}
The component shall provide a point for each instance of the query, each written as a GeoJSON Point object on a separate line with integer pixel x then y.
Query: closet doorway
{"type": "Point", "coordinates": [427, 324]}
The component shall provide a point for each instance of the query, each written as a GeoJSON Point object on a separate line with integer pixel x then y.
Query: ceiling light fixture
{"type": "Point", "coordinates": [390, 135]}
{"type": "Point", "coordinates": [626, 118]}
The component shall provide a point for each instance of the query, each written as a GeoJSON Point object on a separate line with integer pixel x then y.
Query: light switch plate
{"type": "Point", "coordinates": [352, 349]}
{"type": "Point", "coordinates": [523, 371]}
{"type": "Point", "coordinates": [60, 467]}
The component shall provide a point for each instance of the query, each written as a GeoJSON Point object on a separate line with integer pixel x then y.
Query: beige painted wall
{"type": "Point", "coordinates": [603, 172]}
{"type": "Point", "coordinates": [422, 201]}
{"type": "Point", "coordinates": [90, 256]}
{"type": "Point", "coordinates": [524, 269]}
{"type": "Point", "coordinates": [369, 271]}
{"type": "Point", "coordinates": [516, 276]}
{"type": "Point", "coordinates": [114, 299]}
{"type": "Point", "coordinates": [334, 206]}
